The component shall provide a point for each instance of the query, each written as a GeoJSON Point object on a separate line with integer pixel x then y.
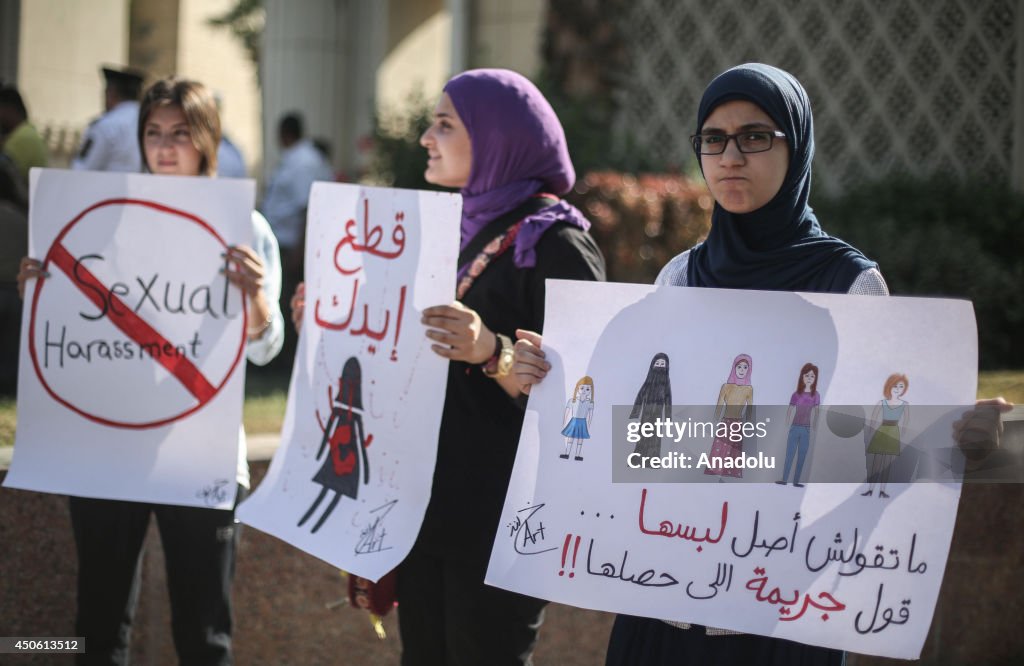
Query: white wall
{"type": "Point", "coordinates": [507, 34]}
{"type": "Point", "coordinates": [62, 45]}
{"type": "Point", "coordinates": [216, 58]}
{"type": "Point", "coordinates": [418, 59]}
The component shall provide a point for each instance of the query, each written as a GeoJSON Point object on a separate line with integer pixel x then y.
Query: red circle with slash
{"type": "Point", "coordinates": [132, 325]}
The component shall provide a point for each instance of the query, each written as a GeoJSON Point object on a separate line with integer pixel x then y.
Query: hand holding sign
{"type": "Point", "coordinates": [29, 269]}
{"type": "Point", "coordinates": [298, 306]}
{"type": "Point", "coordinates": [246, 271]}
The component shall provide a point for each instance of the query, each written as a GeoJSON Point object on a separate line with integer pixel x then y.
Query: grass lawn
{"type": "Point", "coordinates": [1007, 383]}
{"type": "Point", "coordinates": [266, 395]}
{"type": "Point", "coordinates": [7, 420]}
{"type": "Point", "coordinates": [265, 398]}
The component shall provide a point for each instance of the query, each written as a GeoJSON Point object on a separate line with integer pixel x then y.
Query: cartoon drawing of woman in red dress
{"type": "Point", "coordinates": [346, 440]}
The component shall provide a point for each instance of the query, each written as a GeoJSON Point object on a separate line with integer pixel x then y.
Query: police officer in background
{"type": "Point", "coordinates": [110, 143]}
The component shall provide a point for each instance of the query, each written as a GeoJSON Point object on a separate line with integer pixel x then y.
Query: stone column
{"type": "Point", "coordinates": [320, 57]}
{"type": "Point", "coordinates": [153, 37]}
{"type": "Point", "coordinates": [10, 25]}
{"type": "Point", "coordinates": [1017, 175]}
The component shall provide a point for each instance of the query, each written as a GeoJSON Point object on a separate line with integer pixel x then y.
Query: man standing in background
{"type": "Point", "coordinates": [19, 140]}
{"type": "Point", "coordinates": [111, 143]}
{"type": "Point", "coordinates": [285, 203]}
{"type": "Point", "coordinates": [287, 193]}
{"type": "Point", "coordinates": [14, 235]}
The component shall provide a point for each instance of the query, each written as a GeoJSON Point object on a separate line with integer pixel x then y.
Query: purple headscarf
{"type": "Point", "coordinates": [519, 149]}
{"type": "Point", "coordinates": [733, 379]}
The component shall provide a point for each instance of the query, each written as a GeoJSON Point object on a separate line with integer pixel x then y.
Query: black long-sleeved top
{"type": "Point", "coordinates": [481, 423]}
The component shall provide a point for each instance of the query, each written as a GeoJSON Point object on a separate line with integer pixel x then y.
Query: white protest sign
{"type": "Point", "coordinates": [352, 478]}
{"type": "Point", "coordinates": [132, 361]}
{"type": "Point", "coordinates": [680, 514]}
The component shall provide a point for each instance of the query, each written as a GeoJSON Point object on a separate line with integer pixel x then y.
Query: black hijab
{"type": "Point", "coordinates": [656, 390]}
{"type": "Point", "coordinates": [780, 245]}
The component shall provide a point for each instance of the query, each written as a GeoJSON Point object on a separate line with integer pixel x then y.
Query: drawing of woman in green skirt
{"type": "Point", "coordinates": [890, 418]}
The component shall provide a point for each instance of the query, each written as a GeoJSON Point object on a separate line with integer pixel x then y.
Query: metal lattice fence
{"type": "Point", "coordinates": [916, 87]}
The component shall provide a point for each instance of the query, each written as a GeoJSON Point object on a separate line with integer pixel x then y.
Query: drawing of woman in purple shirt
{"type": "Point", "coordinates": [802, 417]}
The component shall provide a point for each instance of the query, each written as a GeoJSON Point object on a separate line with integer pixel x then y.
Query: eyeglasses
{"type": "Point", "coordinates": [177, 137]}
{"type": "Point", "coordinates": [747, 142]}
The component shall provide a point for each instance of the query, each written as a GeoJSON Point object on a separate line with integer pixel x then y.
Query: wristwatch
{"type": "Point", "coordinates": [500, 363]}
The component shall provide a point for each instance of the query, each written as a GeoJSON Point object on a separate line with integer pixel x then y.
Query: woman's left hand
{"type": "Point", "coordinates": [529, 366]}
{"type": "Point", "coordinates": [246, 271]}
{"type": "Point", "coordinates": [461, 334]}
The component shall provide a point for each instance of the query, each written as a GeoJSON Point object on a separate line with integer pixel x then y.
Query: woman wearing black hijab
{"type": "Point", "coordinates": [755, 143]}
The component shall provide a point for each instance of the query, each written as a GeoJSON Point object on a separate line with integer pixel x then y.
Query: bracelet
{"type": "Point", "coordinates": [500, 365]}
{"type": "Point", "coordinates": [258, 333]}
{"type": "Point", "coordinates": [491, 364]}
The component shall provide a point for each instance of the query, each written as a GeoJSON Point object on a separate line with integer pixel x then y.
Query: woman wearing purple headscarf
{"type": "Point", "coordinates": [496, 138]}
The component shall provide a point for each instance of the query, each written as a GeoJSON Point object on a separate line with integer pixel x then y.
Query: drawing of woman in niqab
{"type": "Point", "coordinates": [653, 401]}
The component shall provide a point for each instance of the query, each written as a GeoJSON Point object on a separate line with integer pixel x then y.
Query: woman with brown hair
{"type": "Point", "coordinates": [178, 134]}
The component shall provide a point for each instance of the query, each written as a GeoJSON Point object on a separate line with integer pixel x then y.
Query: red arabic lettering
{"type": "Point", "coordinates": [372, 236]}
{"type": "Point", "coordinates": [337, 326]}
{"type": "Point", "coordinates": [774, 597]}
{"type": "Point", "coordinates": [669, 529]}
{"type": "Point", "coordinates": [364, 328]}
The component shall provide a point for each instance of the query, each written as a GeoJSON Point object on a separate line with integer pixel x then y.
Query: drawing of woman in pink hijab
{"type": "Point", "coordinates": [735, 404]}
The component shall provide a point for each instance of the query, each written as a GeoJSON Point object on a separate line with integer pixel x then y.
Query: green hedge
{"type": "Point", "coordinates": [398, 158]}
{"type": "Point", "coordinates": [640, 222]}
{"type": "Point", "coordinates": [943, 238]}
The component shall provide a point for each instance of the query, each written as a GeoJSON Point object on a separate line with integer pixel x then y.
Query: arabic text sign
{"type": "Point", "coordinates": [134, 345]}
{"type": "Point", "coordinates": [855, 566]}
{"type": "Point", "coordinates": [352, 478]}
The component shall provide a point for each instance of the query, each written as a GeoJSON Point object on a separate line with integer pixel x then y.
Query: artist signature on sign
{"type": "Point", "coordinates": [528, 537]}
{"type": "Point", "coordinates": [215, 493]}
{"type": "Point", "coordinates": [371, 537]}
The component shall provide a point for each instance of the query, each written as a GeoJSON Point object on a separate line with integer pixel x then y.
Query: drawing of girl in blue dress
{"type": "Point", "coordinates": [579, 411]}
{"type": "Point", "coordinates": [890, 418]}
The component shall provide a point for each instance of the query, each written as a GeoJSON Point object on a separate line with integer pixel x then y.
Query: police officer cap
{"type": "Point", "coordinates": [124, 78]}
